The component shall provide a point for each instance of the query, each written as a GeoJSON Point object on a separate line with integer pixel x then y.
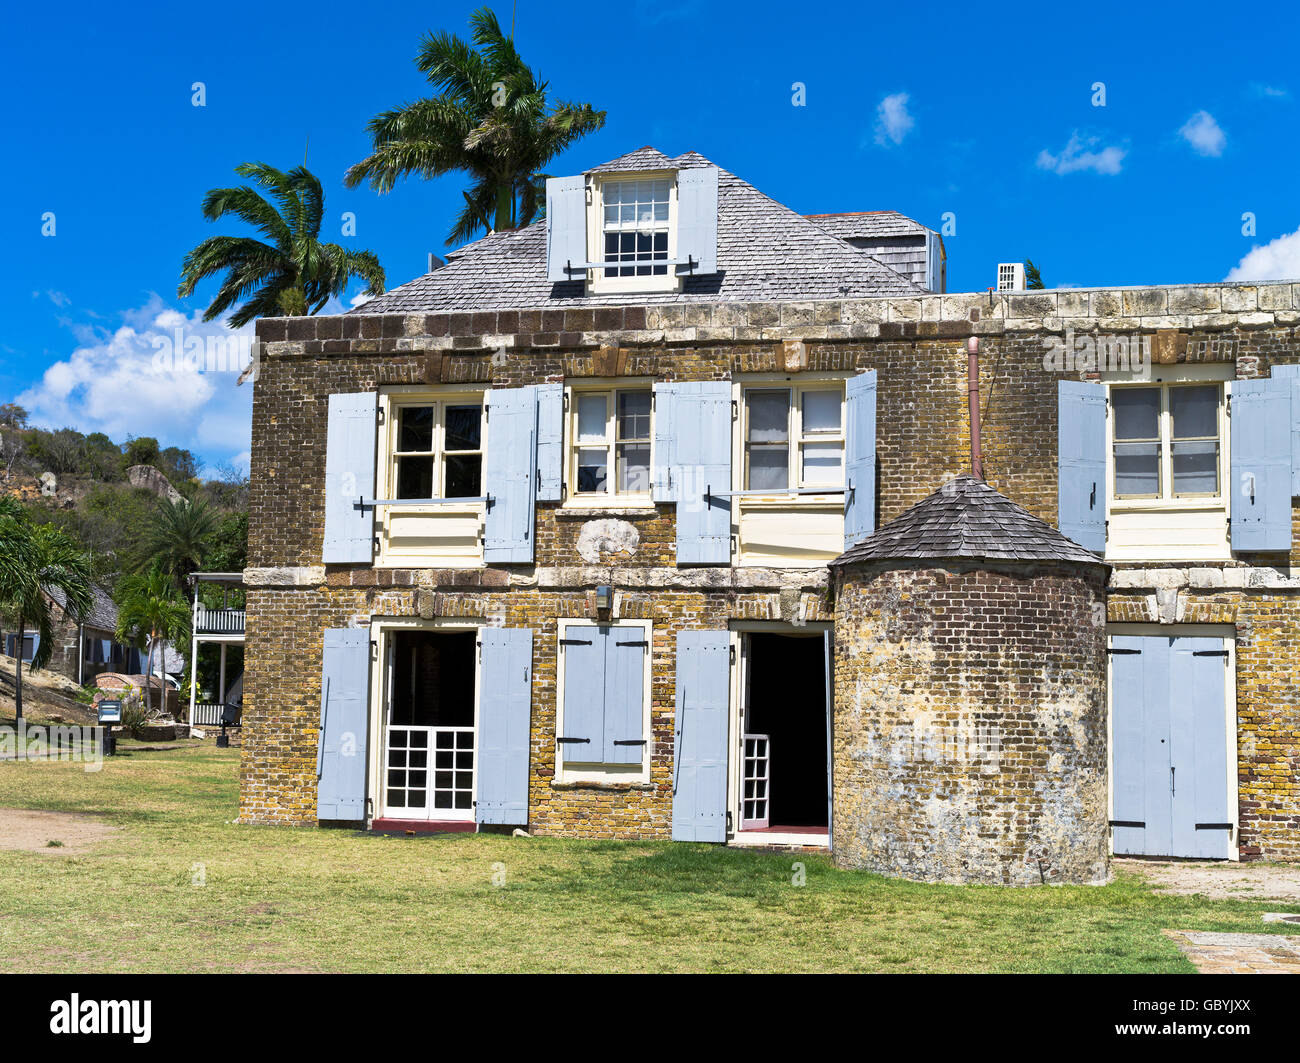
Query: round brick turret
{"type": "Point", "coordinates": [970, 697]}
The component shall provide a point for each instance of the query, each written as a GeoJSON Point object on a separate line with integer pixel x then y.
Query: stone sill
{"type": "Point", "coordinates": [606, 786]}
{"type": "Point", "coordinates": [597, 512]}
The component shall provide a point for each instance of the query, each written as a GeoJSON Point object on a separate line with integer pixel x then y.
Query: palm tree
{"type": "Point", "coordinates": [150, 612]}
{"type": "Point", "coordinates": [491, 119]}
{"type": "Point", "coordinates": [35, 561]}
{"type": "Point", "coordinates": [292, 275]}
{"type": "Point", "coordinates": [179, 536]}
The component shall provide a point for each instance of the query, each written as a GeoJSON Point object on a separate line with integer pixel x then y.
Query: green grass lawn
{"type": "Point", "coordinates": [284, 899]}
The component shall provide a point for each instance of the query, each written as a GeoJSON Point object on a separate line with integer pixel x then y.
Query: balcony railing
{"type": "Point", "coordinates": [218, 621]}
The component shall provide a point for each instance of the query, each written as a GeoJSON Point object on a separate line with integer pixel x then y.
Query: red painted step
{"type": "Point", "coordinates": [423, 826]}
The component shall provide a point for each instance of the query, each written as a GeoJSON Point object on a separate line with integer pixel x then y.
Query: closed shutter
{"type": "Point", "coordinates": [697, 220]}
{"type": "Point", "coordinates": [1260, 502]}
{"type": "Point", "coordinates": [1081, 463]}
{"type": "Point", "coordinates": [701, 465]}
{"type": "Point", "coordinates": [1291, 374]}
{"type": "Point", "coordinates": [583, 737]}
{"type": "Point", "coordinates": [1198, 749]}
{"type": "Point", "coordinates": [510, 470]}
{"type": "Point", "coordinates": [349, 477]}
{"type": "Point", "coordinates": [344, 725]}
{"type": "Point", "coordinates": [1139, 757]}
{"type": "Point", "coordinates": [505, 710]}
{"type": "Point", "coordinates": [700, 738]}
{"type": "Point", "coordinates": [625, 653]}
{"type": "Point", "coordinates": [665, 412]}
{"type": "Point", "coordinates": [550, 441]}
{"type": "Point", "coordinates": [860, 457]}
{"type": "Point", "coordinates": [566, 227]}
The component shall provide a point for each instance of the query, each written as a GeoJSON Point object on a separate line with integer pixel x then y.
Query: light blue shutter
{"type": "Point", "coordinates": [1198, 745]}
{"type": "Point", "coordinates": [504, 712]}
{"type": "Point", "coordinates": [700, 736]}
{"type": "Point", "coordinates": [697, 220]}
{"type": "Point", "coordinates": [1260, 500]}
{"type": "Point", "coordinates": [1081, 463]}
{"type": "Point", "coordinates": [1140, 755]}
{"type": "Point", "coordinates": [860, 457]}
{"type": "Point", "coordinates": [665, 408]}
{"type": "Point", "coordinates": [625, 742]}
{"type": "Point", "coordinates": [566, 227]}
{"type": "Point", "coordinates": [510, 475]}
{"type": "Point", "coordinates": [350, 476]}
{"type": "Point", "coordinates": [933, 262]}
{"type": "Point", "coordinates": [702, 464]}
{"type": "Point", "coordinates": [582, 737]}
{"type": "Point", "coordinates": [1291, 374]}
{"type": "Point", "coordinates": [344, 725]}
{"type": "Point", "coordinates": [550, 441]}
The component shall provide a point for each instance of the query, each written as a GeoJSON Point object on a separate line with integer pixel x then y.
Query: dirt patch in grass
{"type": "Point", "coordinates": [62, 833]}
{"type": "Point", "coordinates": [1219, 880]}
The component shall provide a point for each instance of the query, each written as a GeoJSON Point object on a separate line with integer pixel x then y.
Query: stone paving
{"type": "Point", "coordinates": [1215, 953]}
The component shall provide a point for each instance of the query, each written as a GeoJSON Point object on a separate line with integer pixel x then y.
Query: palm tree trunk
{"type": "Point", "coordinates": [505, 206]}
{"type": "Point", "coordinates": [148, 677]}
{"type": "Point", "coordinates": [18, 670]}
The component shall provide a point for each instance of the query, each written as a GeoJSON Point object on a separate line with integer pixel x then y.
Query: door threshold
{"type": "Point", "coordinates": [811, 838]}
{"type": "Point", "coordinates": [389, 825]}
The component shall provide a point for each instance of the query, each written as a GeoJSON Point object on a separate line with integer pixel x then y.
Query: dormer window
{"type": "Point", "coordinates": [636, 224]}
{"type": "Point", "coordinates": [639, 231]}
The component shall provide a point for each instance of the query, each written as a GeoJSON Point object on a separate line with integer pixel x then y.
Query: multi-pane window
{"type": "Point", "coordinates": [438, 451]}
{"type": "Point", "coordinates": [794, 438]}
{"type": "Point", "coordinates": [1167, 440]}
{"type": "Point", "coordinates": [635, 226]}
{"type": "Point", "coordinates": [611, 434]}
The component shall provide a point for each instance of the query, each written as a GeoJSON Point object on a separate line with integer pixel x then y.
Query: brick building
{"type": "Point", "coordinates": [542, 537]}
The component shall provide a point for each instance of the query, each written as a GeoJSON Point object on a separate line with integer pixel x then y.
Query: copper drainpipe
{"type": "Point", "coordinates": [973, 390]}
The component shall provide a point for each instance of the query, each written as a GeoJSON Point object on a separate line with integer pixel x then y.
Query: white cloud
{"type": "Point", "coordinates": [1202, 132]}
{"type": "Point", "coordinates": [1079, 154]}
{"type": "Point", "coordinates": [360, 299]}
{"type": "Point", "coordinates": [125, 382]}
{"type": "Point", "coordinates": [1269, 92]}
{"type": "Point", "coordinates": [1277, 260]}
{"type": "Point", "coordinates": [893, 122]}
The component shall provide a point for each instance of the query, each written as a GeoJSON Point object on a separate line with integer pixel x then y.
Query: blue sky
{"type": "Point", "coordinates": [981, 112]}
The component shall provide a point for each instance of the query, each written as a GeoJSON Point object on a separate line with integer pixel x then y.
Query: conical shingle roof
{"type": "Point", "coordinates": [966, 518]}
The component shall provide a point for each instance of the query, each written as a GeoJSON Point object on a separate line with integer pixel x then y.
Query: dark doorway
{"type": "Point", "coordinates": [433, 678]}
{"type": "Point", "coordinates": [786, 692]}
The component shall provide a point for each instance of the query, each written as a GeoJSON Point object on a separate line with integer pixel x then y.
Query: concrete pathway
{"type": "Point", "coordinates": [1215, 953]}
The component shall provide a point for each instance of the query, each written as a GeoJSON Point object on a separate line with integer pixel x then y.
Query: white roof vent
{"type": "Point", "coordinates": [1011, 276]}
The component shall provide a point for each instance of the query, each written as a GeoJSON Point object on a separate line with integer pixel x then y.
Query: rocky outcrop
{"type": "Point", "coordinates": [151, 479]}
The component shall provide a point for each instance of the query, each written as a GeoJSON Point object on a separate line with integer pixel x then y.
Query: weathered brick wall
{"type": "Point", "coordinates": [970, 723]}
{"type": "Point", "coordinates": [917, 346]}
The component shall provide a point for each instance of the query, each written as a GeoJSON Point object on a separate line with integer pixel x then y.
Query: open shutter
{"type": "Point", "coordinates": [697, 220]}
{"type": "Point", "coordinates": [665, 410]}
{"type": "Point", "coordinates": [700, 736]}
{"type": "Point", "coordinates": [550, 441]}
{"type": "Point", "coordinates": [504, 712]}
{"type": "Point", "coordinates": [860, 457]}
{"type": "Point", "coordinates": [510, 475]}
{"type": "Point", "coordinates": [344, 725]}
{"type": "Point", "coordinates": [701, 465]}
{"type": "Point", "coordinates": [625, 651]}
{"type": "Point", "coordinates": [349, 476]}
{"type": "Point", "coordinates": [582, 737]}
{"type": "Point", "coordinates": [1081, 463]}
{"type": "Point", "coordinates": [566, 227]}
{"type": "Point", "coordinates": [1260, 502]}
{"type": "Point", "coordinates": [1291, 374]}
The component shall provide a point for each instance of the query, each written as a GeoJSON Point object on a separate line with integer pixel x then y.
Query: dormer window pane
{"type": "Point", "coordinates": [636, 227]}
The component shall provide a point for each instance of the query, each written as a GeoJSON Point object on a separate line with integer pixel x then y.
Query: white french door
{"type": "Point", "coordinates": [756, 784]}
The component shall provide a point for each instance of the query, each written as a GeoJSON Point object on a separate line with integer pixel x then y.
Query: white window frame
{"type": "Point", "coordinates": [611, 497]}
{"type": "Point", "coordinates": [607, 774]}
{"type": "Point", "coordinates": [438, 455]}
{"type": "Point", "coordinates": [1190, 376]}
{"type": "Point", "coordinates": [797, 438]}
{"type": "Point", "coordinates": [597, 282]}
{"type": "Point", "coordinates": [391, 400]}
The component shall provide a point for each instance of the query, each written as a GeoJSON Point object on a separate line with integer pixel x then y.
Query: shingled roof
{"type": "Point", "coordinates": [967, 519]}
{"type": "Point", "coordinates": [766, 253]}
{"type": "Point", "coordinates": [868, 224]}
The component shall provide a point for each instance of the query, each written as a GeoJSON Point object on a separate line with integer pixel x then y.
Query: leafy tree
{"type": "Point", "coordinates": [294, 274]}
{"type": "Point", "coordinates": [491, 119]}
{"type": "Point", "coordinates": [65, 451]}
{"type": "Point", "coordinates": [1033, 279]}
{"type": "Point", "coordinates": [36, 560]}
{"type": "Point", "coordinates": [150, 611]}
{"type": "Point", "coordinates": [178, 537]}
{"type": "Point", "coordinates": [103, 458]}
{"type": "Point", "coordinates": [179, 464]}
{"type": "Point", "coordinates": [12, 415]}
{"type": "Point", "coordinates": [141, 450]}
